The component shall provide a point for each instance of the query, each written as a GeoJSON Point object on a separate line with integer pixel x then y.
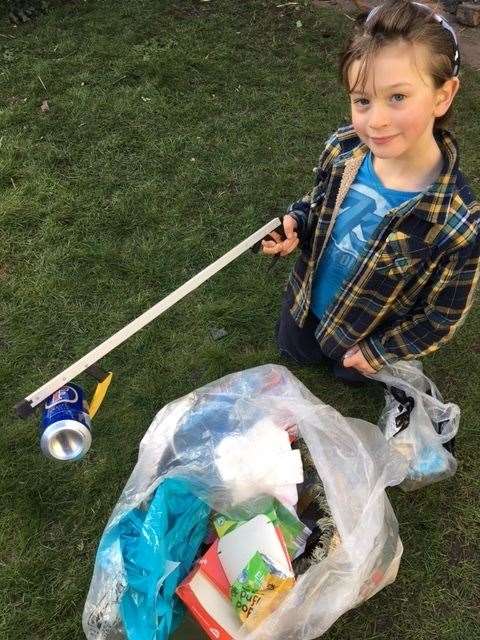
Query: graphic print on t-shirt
{"type": "Point", "coordinates": [362, 210]}
{"type": "Point", "coordinates": [355, 225]}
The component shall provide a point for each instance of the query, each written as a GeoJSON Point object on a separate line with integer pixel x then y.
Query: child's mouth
{"type": "Point", "coordinates": [382, 140]}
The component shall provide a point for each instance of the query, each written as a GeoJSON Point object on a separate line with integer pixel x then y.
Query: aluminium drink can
{"type": "Point", "coordinates": [65, 429]}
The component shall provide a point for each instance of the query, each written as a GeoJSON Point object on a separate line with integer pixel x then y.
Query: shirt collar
{"type": "Point", "coordinates": [434, 203]}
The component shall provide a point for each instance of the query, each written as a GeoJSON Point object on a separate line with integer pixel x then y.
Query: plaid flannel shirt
{"type": "Point", "coordinates": [413, 284]}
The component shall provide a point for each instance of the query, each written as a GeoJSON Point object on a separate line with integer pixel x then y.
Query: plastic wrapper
{"type": "Point", "coordinates": [352, 457]}
{"type": "Point", "coordinates": [294, 532]}
{"type": "Point", "coordinates": [418, 423]}
{"type": "Point", "coordinates": [259, 589]}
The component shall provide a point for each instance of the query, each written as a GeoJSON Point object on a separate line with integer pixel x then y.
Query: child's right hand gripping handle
{"type": "Point", "coordinates": [283, 240]}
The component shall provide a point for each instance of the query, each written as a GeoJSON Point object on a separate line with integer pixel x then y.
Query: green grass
{"type": "Point", "coordinates": [174, 130]}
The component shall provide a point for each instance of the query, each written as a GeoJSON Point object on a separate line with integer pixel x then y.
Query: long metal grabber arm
{"type": "Point", "coordinates": [26, 406]}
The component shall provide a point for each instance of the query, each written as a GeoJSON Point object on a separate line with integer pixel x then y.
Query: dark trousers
{"type": "Point", "coordinates": [300, 345]}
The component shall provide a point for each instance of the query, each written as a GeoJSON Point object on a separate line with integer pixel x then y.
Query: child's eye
{"type": "Point", "coordinates": [361, 100]}
{"type": "Point", "coordinates": [398, 95]}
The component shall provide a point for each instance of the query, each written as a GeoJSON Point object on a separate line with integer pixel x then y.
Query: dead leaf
{"type": "Point", "coordinates": [44, 107]}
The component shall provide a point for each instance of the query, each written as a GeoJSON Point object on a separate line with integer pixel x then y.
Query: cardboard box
{"type": "Point", "coordinates": [206, 593]}
{"type": "Point", "coordinates": [206, 590]}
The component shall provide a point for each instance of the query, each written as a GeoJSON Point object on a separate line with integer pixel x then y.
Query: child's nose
{"type": "Point", "coordinates": [379, 118]}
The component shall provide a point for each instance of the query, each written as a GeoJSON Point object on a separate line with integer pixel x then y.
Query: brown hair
{"type": "Point", "coordinates": [400, 20]}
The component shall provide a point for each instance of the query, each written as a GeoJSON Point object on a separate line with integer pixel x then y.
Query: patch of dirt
{"type": "Point", "coordinates": [462, 552]}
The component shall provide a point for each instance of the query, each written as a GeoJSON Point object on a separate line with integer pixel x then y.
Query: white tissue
{"type": "Point", "coordinates": [261, 461]}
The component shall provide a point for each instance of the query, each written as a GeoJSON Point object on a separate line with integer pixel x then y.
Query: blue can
{"type": "Point", "coordinates": [65, 430]}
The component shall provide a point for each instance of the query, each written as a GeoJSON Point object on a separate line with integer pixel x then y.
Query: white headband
{"type": "Point", "coordinates": [442, 21]}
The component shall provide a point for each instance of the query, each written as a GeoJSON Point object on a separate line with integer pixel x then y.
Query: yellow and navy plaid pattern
{"type": "Point", "coordinates": [413, 284]}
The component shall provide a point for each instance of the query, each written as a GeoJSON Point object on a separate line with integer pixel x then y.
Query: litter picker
{"type": "Point", "coordinates": [88, 363]}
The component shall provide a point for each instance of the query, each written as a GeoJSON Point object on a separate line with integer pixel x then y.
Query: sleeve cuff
{"type": "Point", "coordinates": [374, 353]}
{"type": "Point", "coordinates": [299, 214]}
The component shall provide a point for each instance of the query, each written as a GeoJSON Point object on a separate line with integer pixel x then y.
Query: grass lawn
{"type": "Point", "coordinates": [174, 130]}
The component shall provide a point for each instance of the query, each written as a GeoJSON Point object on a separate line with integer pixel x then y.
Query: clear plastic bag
{"type": "Point", "coordinates": [418, 423]}
{"type": "Point", "coordinates": [353, 459]}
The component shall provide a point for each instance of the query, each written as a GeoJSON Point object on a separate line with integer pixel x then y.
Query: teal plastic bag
{"type": "Point", "coordinates": [158, 546]}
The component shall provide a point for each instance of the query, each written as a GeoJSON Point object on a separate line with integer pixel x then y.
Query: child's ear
{"type": "Point", "coordinates": [444, 96]}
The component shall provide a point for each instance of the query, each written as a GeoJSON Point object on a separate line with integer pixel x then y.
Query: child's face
{"type": "Point", "coordinates": [406, 112]}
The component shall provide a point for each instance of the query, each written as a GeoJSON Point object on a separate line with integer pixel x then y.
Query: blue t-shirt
{"type": "Point", "coordinates": [361, 212]}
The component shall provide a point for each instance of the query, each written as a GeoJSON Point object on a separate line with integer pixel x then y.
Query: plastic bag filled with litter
{"type": "Point", "coordinates": [225, 444]}
{"type": "Point", "coordinates": [419, 423]}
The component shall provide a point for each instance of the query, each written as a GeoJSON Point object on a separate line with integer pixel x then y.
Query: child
{"type": "Point", "coordinates": [389, 236]}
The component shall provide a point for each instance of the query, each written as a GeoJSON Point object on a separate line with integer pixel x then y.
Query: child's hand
{"type": "Point", "coordinates": [279, 246]}
{"type": "Point", "coordinates": [355, 358]}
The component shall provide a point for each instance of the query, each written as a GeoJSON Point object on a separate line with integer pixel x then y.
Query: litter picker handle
{"type": "Point", "coordinates": [283, 236]}
{"type": "Point", "coordinates": [280, 230]}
